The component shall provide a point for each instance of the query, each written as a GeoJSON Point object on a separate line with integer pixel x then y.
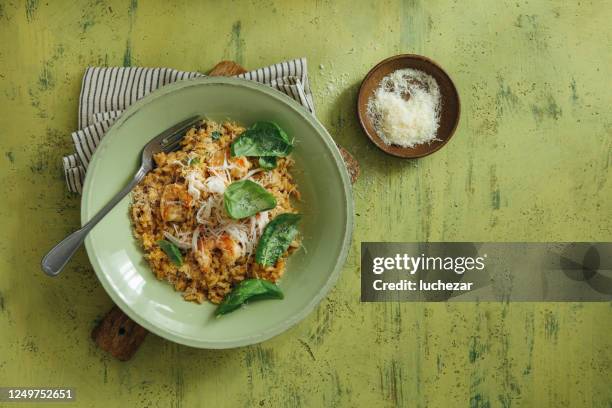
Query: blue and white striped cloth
{"type": "Point", "coordinates": [107, 91]}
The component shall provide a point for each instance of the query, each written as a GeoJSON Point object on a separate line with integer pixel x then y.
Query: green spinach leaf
{"type": "Point", "coordinates": [276, 238]}
{"type": "Point", "coordinates": [248, 290]}
{"type": "Point", "coordinates": [262, 139]}
{"type": "Point", "coordinates": [282, 133]}
{"type": "Point", "coordinates": [172, 251]}
{"type": "Point", "coordinates": [245, 198]}
{"type": "Point", "coordinates": [267, 162]}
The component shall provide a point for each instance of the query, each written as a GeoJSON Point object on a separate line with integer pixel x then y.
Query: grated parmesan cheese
{"type": "Point", "coordinates": [194, 184]}
{"type": "Point", "coordinates": [405, 108]}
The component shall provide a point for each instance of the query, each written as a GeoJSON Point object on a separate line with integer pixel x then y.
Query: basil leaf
{"type": "Point", "coordinates": [172, 251]}
{"type": "Point", "coordinates": [262, 139]}
{"type": "Point", "coordinates": [245, 198]}
{"type": "Point", "coordinates": [215, 135]}
{"type": "Point", "coordinates": [269, 125]}
{"type": "Point", "coordinates": [267, 162]}
{"type": "Point", "coordinates": [249, 289]}
{"type": "Point", "coordinates": [276, 238]}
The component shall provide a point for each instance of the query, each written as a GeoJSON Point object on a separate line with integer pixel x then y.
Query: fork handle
{"type": "Point", "coordinates": [55, 260]}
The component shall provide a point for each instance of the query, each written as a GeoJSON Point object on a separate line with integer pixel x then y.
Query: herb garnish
{"type": "Point", "coordinates": [172, 251]}
{"type": "Point", "coordinates": [245, 198]}
{"type": "Point", "coordinates": [276, 238]}
{"type": "Point", "coordinates": [267, 162]}
{"type": "Point", "coordinates": [262, 139]}
{"type": "Point", "coordinates": [249, 289]}
{"type": "Point", "coordinates": [215, 135]}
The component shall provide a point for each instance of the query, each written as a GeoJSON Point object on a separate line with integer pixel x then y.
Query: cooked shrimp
{"type": "Point", "coordinates": [231, 249]}
{"type": "Point", "coordinates": [175, 201]}
{"type": "Point", "coordinates": [240, 166]}
{"type": "Point", "coordinates": [218, 158]}
{"type": "Point", "coordinates": [203, 255]}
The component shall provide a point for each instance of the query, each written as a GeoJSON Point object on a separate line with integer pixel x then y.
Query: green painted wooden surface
{"type": "Point", "coordinates": [530, 161]}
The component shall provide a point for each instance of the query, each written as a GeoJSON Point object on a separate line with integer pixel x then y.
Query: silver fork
{"type": "Point", "coordinates": [169, 140]}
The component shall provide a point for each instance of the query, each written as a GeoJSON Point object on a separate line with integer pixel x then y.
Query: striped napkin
{"type": "Point", "coordinates": [107, 92]}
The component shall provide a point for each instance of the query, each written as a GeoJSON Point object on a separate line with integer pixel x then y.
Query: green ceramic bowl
{"type": "Point", "coordinates": [326, 206]}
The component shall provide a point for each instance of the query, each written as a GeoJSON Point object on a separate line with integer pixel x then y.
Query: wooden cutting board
{"type": "Point", "coordinates": [117, 333]}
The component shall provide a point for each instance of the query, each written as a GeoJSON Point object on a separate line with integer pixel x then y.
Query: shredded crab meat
{"type": "Point", "coordinates": [216, 184]}
{"type": "Point", "coordinates": [194, 184]}
{"type": "Point", "coordinates": [203, 214]}
{"type": "Point", "coordinates": [194, 240]}
{"type": "Point", "coordinates": [251, 173]}
{"type": "Point", "coordinates": [211, 210]}
{"type": "Point", "coordinates": [176, 241]}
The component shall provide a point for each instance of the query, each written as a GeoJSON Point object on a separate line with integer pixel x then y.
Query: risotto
{"type": "Point", "coordinates": [178, 213]}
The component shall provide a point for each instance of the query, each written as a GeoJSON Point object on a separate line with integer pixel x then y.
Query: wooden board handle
{"type": "Point", "coordinates": [117, 333]}
{"type": "Point", "coordinates": [226, 68]}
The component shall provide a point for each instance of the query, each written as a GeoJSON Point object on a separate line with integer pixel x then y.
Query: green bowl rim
{"type": "Point", "coordinates": [87, 213]}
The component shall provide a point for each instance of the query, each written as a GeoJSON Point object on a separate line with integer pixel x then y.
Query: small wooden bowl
{"type": "Point", "coordinates": [450, 110]}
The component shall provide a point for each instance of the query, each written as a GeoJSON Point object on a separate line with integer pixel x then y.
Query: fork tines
{"type": "Point", "coordinates": [170, 138]}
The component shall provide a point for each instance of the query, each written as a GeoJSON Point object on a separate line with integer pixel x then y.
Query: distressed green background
{"type": "Point", "coordinates": [530, 161]}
